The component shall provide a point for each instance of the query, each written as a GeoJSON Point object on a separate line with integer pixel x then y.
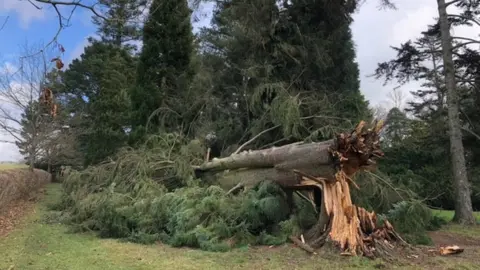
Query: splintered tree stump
{"type": "Point", "coordinates": [351, 228]}
{"type": "Point", "coordinates": [329, 167]}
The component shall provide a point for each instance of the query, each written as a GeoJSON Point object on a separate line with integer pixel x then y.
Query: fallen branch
{"type": "Point", "coordinates": [235, 188]}
{"type": "Point", "coordinates": [254, 138]}
{"type": "Point", "coordinates": [301, 245]}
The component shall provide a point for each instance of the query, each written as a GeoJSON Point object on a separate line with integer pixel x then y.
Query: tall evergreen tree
{"type": "Point", "coordinates": [165, 68]}
{"type": "Point", "coordinates": [96, 92]}
{"type": "Point", "coordinates": [122, 21]}
{"type": "Point", "coordinates": [289, 64]}
{"type": "Point", "coordinates": [439, 60]}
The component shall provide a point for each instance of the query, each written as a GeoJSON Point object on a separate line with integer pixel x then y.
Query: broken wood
{"type": "Point", "coordinates": [450, 250]}
{"type": "Point", "coordinates": [352, 229]}
{"type": "Point", "coordinates": [327, 167]}
{"type": "Point", "coordinates": [302, 245]}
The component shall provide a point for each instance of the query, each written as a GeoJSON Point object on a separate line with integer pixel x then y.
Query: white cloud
{"type": "Point", "coordinates": [374, 31]}
{"type": "Point", "coordinates": [8, 150]}
{"type": "Point", "coordinates": [78, 50]}
{"type": "Point", "coordinates": [24, 9]}
{"type": "Point", "coordinates": [413, 22]}
{"type": "Point", "coordinates": [8, 68]}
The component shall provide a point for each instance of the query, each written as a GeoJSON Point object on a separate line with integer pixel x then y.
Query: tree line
{"type": "Point", "coordinates": [283, 66]}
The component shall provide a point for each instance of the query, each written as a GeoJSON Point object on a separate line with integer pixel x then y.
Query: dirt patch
{"type": "Point", "coordinates": [442, 238]}
{"type": "Point", "coordinates": [428, 257]}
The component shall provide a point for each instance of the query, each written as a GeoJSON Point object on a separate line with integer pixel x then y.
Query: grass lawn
{"type": "Point", "coordinates": [447, 215]}
{"type": "Point", "coordinates": [36, 245]}
{"type": "Point", "coordinates": [8, 166]}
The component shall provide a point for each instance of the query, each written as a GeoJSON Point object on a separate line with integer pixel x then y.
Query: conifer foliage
{"type": "Point", "coordinates": [164, 69]}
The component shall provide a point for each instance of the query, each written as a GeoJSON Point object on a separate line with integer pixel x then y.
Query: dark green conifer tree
{"type": "Point", "coordinates": [164, 70]}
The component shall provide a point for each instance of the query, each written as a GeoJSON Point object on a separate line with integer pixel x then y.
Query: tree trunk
{"type": "Point", "coordinates": [31, 159]}
{"type": "Point", "coordinates": [325, 167]}
{"type": "Point", "coordinates": [463, 202]}
{"type": "Point", "coordinates": [287, 156]}
{"type": "Point", "coordinates": [317, 159]}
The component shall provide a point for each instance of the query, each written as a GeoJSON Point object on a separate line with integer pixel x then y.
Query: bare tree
{"type": "Point", "coordinates": [396, 97]}
{"type": "Point", "coordinates": [379, 112]}
{"type": "Point", "coordinates": [21, 88]}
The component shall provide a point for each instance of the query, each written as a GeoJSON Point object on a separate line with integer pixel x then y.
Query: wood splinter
{"type": "Point", "coordinates": [301, 245]}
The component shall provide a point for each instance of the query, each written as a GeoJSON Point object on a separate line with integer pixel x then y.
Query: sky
{"type": "Point", "coordinates": [374, 31]}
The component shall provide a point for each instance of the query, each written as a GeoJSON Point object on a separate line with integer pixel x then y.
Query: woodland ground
{"type": "Point", "coordinates": [36, 244]}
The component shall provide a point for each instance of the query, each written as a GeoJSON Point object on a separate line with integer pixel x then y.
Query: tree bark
{"type": "Point", "coordinates": [286, 157]}
{"type": "Point", "coordinates": [321, 159]}
{"type": "Point", "coordinates": [463, 202]}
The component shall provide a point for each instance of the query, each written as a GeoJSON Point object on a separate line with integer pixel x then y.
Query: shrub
{"type": "Point", "coordinates": [412, 219]}
{"type": "Point", "coordinates": [20, 183]}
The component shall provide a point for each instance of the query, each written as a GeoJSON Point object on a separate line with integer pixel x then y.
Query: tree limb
{"type": "Point", "coordinates": [71, 3]}
{"type": "Point", "coordinates": [4, 23]}
{"type": "Point", "coordinates": [254, 138]}
{"type": "Point", "coordinates": [471, 132]}
{"type": "Point", "coordinates": [451, 2]}
{"type": "Point", "coordinates": [464, 18]}
{"type": "Point", "coordinates": [470, 40]}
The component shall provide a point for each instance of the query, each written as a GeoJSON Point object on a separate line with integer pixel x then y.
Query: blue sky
{"type": "Point", "coordinates": [26, 24]}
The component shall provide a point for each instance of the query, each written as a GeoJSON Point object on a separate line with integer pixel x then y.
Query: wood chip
{"type": "Point", "coordinates": [450, 250]}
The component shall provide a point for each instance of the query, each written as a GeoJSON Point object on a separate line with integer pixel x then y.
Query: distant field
{"type": "Point", "coordinates": [8, 166]}
{"type": "Point", "coordinates": [447, 215]}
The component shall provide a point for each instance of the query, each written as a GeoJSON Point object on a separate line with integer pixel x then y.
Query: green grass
{"type": "Point", "coordinates": [37, 245]}
{"type": "Point", "coordinates": [8, 166]}
{"type": "Point", "coordinates": [447, 215]}
{"type": "Point", "coordinates": [468, 231]}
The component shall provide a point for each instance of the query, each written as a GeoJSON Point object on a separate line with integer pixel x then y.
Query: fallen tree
{"type": "Point", "coordinates": [325, 170]}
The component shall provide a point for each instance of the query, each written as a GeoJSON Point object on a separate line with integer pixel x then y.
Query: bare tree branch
{"type": "Point", "coordinates": [470, 40]}
{"type": "Point", "coordinates": [77, 3]}
{"type": "Point", "coordinates": [63, 21]}
{"type": "Point", "coordinates": [451, 2]}
{"type": "Point", "coordinates": [4, 23]}
{"type": "Point", "coordinates": [19, 95]}
{"type": "Point", "coordinates": [471, 132]}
